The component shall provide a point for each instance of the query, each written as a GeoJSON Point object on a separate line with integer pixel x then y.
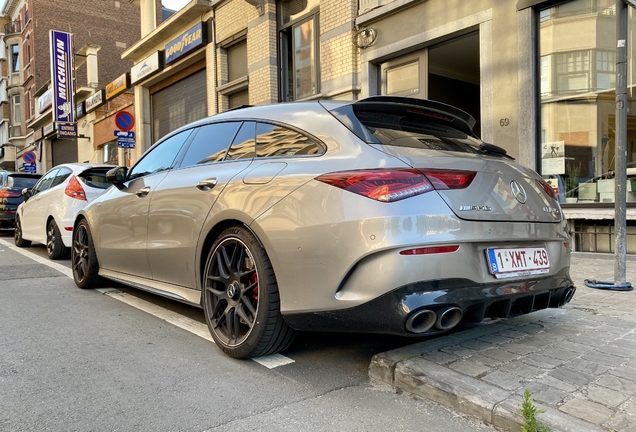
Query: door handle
{"type": "Point", "coordinates": [206, 185]}
{"type": "Point", "coordinates": [143, 192]}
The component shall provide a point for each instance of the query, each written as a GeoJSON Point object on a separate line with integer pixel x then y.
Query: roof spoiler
{"type": "Point", "coordinates": [458, 118]}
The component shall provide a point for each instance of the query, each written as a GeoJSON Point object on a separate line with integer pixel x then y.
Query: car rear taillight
{"type": "Point", "coordinates": [449, 179]}
{"type": "Point", "coordinates": [548, 189]}
{"type": "Point", "coordinates": [386, 185]}
{"type": "Point", "coordinates": [75, 190]}
{"type": "Point", "coordinates": [9, 194]}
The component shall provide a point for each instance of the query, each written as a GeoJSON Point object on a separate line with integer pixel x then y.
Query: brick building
{"type": "Point", "coordinates": [101, 32]}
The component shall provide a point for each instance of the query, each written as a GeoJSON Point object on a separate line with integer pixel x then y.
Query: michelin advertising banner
{"type": "Point", "coordinates": [62, 76]}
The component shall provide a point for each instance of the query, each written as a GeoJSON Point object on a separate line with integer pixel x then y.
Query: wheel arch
{"type": "Point", "coordinates": [211, 237]}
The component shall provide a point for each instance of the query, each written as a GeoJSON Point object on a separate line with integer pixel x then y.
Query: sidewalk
{"type": "Point", "coordinates": [579, 362]}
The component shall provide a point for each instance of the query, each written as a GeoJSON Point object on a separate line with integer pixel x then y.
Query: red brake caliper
{"type": "Point", "coordinates": [254, 280]}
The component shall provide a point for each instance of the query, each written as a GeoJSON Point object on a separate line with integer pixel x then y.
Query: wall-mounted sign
{"type": "Point", "coordinates": [94, 100]}
{"type": "Point", "coordinates": [147, 67]}
{"type": "Point", "coordinates": [195, 37]}
{"type": "Point", "coordinates": [48, 129]}
{"type": "Point", "coordinates": [66, 130]}
{"type": "Point", "coordinates": [124, 120]}
{"type": "Point", "coordinates": [45, 101]}
{"type": "Point", "coordinates": [80, 110]}
{"type": "Point", "coordinates": [62, 76]}
{"type": "Point", "coordinates": [118, 86]}
{"type": "Point", "coordinates": [125, 139]}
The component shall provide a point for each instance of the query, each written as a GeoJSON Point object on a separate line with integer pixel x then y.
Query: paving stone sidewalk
{"type": "Point", "coordinates": [579, 361]}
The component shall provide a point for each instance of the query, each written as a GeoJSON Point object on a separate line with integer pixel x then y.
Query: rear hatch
{"type": "Point", "coordinates": [478, 181]}
{"type": "Point", "coordinates": [94, 181]}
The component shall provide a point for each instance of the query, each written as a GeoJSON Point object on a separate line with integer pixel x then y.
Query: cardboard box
{"type": "Point", "coordinates": [605, 186]}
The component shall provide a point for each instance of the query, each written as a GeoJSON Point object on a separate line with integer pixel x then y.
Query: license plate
{"type": "Point", "coordinates": [513, 262]}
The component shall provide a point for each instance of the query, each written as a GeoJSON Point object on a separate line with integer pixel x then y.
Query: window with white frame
{"type": "Point", "coordinates": [16, 111]}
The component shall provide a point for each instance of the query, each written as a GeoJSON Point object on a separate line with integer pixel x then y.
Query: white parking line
{"type": "Point", "coordinates": [183, 322]}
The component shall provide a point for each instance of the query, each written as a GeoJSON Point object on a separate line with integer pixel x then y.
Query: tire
{"type": "Point", "coordinates": [240, 297]}
{"type": "Point", "coordinates": [55, 248]}
{"type": "Point", "coordinates": [17, 235]}
{"type": "Point", "coordinates": [84, 258]}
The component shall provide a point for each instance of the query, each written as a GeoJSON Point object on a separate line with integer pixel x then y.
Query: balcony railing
{"type": "Point", "coordinates": [12, 27]}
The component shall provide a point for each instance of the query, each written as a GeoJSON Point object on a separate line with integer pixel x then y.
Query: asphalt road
{"type": "Point", "coordinates": [80, 360]}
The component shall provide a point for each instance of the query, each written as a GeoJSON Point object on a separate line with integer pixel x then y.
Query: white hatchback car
{"type": "Point", "coordinates": [47, 214]}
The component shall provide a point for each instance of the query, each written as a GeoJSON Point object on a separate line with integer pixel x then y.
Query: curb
{"type": "Point", "coordinates": [405, 370]}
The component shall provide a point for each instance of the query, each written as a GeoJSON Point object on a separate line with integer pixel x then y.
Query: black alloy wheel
{"type": "Point", "coordinates": [83, 258]}
{"type": "Point", "coordinates": [17, 235]}
{"type": "Point", "coordinates": [240, 298]}
{"type": "Point", "coordinates": [54, 246]}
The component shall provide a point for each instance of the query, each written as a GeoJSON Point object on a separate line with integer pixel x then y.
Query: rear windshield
{"type": "Point", "coordinates": [95, 178]}
{"type": "Point", "coordinates": [406, 130]}
{"type": "Point", "coordinates": [18, 182]}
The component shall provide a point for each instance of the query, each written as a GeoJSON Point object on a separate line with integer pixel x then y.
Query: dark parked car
{"type": "Point", "coordinates": [11, 185]}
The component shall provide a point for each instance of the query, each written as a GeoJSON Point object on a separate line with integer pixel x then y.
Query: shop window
{"type": "Point", "coordinates": [403, 80]}
{"type": "Point", "coordinates": [578, 102]}
{"type": "Point", "coordinates": [15, 58]}
{"type": "Point", "coordinates": [110, 153]}
{"type": "Point", "coordinates": [298, 30]}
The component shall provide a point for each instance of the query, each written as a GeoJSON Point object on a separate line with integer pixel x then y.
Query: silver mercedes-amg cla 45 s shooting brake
{"type": "Point", "coordinates": [384, 215]}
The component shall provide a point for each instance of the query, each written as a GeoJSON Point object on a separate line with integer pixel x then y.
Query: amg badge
{"type": "Point", "coordinates": [475, 208]}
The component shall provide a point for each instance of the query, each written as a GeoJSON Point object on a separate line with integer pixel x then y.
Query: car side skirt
{"type": "Point", "coordinates": [173, 292]}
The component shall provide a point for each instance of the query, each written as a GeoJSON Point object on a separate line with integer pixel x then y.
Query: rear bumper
{"type": "Point", "coordinates": [390, 313]}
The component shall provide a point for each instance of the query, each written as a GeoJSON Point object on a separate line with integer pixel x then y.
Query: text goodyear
{"type": "Point", "coordinates": [186, 42]}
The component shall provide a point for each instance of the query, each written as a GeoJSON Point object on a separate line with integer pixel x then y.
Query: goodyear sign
{"type": "Point", "coordinates": [195, 37]}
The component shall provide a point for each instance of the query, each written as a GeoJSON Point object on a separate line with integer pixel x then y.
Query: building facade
{"type": "Point", "coordinates": [99, 29]}
{"type": "Point", "coordinates": [538, 76]}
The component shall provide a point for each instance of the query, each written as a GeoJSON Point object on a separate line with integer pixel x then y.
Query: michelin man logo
{"type": "Point", "coordinates": [65, 110]}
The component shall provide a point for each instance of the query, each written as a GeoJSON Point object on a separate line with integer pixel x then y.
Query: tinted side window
{"type": "Point", "coordinates": [274, 140]}
{"type": "Point", "coordinates": [21, 182]}
{"type": "Point", "coordinates": [210, 143]}
{"type": "Point", "coordinates": [161, 157]}
{"type": "Point", "coordinates": [60, 176]}
{"type": "Point", "coordinates": [45, 182]}
{"type": "Point", "coordinates": [244, 143]}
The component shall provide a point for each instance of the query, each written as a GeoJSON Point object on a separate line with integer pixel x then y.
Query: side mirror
{"type": "Point", "coordinates": [26, 193]}
{"type": "Point", "coordinates": [117, 176]}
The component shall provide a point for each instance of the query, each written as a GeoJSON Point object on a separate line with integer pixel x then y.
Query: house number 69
{"type": "Point", "coordinates": [504, 122]}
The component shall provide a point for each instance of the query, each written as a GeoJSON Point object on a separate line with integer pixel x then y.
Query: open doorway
{"type": "Point", "coordinates": [453, 74]}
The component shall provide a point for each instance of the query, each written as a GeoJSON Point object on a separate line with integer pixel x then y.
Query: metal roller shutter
{"type": "Point", "coordinates": [179, 104]}
{"type": "Point", "coordinates": [64, 151]}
